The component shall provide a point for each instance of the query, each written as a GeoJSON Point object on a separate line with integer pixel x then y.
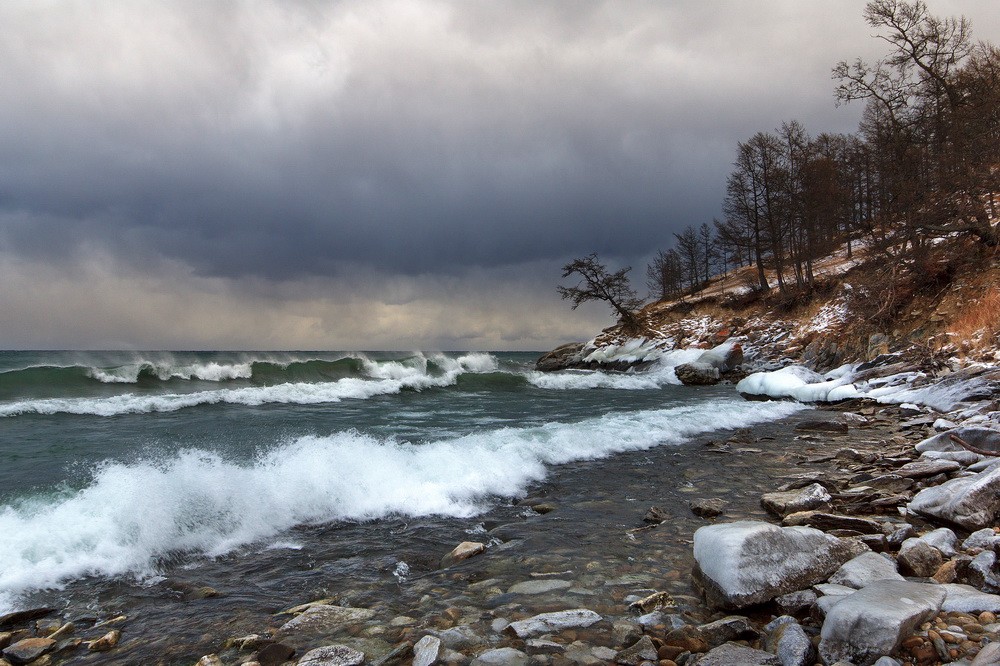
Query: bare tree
{"type": "Point", "coordinates": [596, 283]}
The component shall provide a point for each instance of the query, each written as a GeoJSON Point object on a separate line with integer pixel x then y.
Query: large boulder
{"type": "Point", "coordinates": [873, 621]}
{"type": "Point", "coordinates": [697, 374]}
{"type": "Point", "coordinates": [749, 562]}
{"type": "Point", "coordinates": [711, 365]}
{"type": "Point", "coordinates": [971, 502]}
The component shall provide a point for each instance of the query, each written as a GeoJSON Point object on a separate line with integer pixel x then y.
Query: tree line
{"type": "Point", "coordinates": [924, 163]}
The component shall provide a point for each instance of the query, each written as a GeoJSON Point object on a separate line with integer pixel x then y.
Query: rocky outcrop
{"type": "Point", "coordinates": [873, 621]}
{"type": "Point", "coordinates": [560, 358]}
{"type": "Point", "coordinates": [745, 563]}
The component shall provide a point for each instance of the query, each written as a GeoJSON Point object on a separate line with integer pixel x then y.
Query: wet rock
{"type": "Point", "coordinates": [874, 621]}
{"type": "Point", "coordinates": [813, 496]}
{"type": "Point", "coordinates": [892, 483]}
{"type": "Point", "coordinates": [564, 356]}
{"type": "Point", "coordinates": [943, 539]}
{"type": "Point", "coordinates": [821, 426]}
{"type": "Point", "coordinates": [624, 632]}
{"type": "Point", "coordinates": [708, 508]}
{"type": "Point", "coordinates": [988, 656]}
{"type": "Point", "coordinates": [982, 572]}
{"type": "Point", "coordinates": [332, 655]}
{"type": "Point", "coordinates": [539, 586]}
{"type": "Point", "coordinates": [210, 660]}
{"type": "Point", "coordinates": [697, 374]}
{"type": "Point", "coordinates": [748, 562]}
{"type": "Point", "coordinates": [544, 507]}
{"type": "Point", "coordinates": [688, 638]}
{"type": "Point", "coordinates": [458, 638]}
{"type": "Point", "coordinates": [731, 628]}
{"type": "Point", "coordinates": [898, 536]}
{"type": "Point", "coordinates": [654, 601]}
{"type": "Point", "coordinates": [506, 656]}
{"type": "Point", "coordinates": [106, 642]}
{"type": "Point", "coordinates": [971, 502]}
{"type": "Point", "coordinates": [553, 622]}
{"type": "Point", "coordinates": [274, 654]}
{"type": "Point", "coordinates": [543, 646]}
{"type": "Point", "coordinates": [325, 619]}
{"type": "Point", "coordinates": [642, 650]}
{"type": "Point", "coordinates": [426, 650]}
{"type": "Point", "coordinates": [789, 641]}
{"type": "Point", "coordinates": [462, 551]}
{"type": "Point", "coordinates": [864, 569]}
{"type": "Point", "coordinates": [919, 469]}
{"type": "Point", "coordinates": [796, 604]}
{"type": "Point", "coordinates": [731, 654]}
{"type": "Point", "coordinates": [655, 515]}
{"type": "Point", "coordinates": [28, 649]}
{"type": "Point", "coordinates": [22, 617]}
{"type": "Point", "coordinates": [967, 599]}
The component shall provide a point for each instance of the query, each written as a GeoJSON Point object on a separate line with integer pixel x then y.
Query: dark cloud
{"type": "Point", "coordinates": [283, 141]}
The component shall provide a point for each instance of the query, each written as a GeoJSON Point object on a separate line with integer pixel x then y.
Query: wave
{"type": "Point", "coordinates": [132, 515]}
{"type": "Point", "coordinates": [386, 377]}
{"type": "Point", "coordinates": [660, 374]}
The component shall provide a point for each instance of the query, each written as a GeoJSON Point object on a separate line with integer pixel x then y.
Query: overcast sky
{"type": "Point", "coordinates": [377, 174]}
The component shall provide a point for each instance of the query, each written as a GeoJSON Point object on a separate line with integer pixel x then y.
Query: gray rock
{"type": "Point", "coordinates": [967, 599]}
{"type": "Point", "coordinates": [921, 468]}
{"type": "Point", "coordinates": [325, 619]}
{"type": "Point", "coordinates": [697, 374]}
{"type": "Point", "coordinates": [918, 558]}
{"type": "Point", "coordinates": [732, 654]}
{"type": "Point", "coordinates": [982, 572]}
{"type": "Point", "coordinates": [887, 661]}
{"type": "Point", "coordinates": [943, 539]}
{"type": "Point", "coordinates": [748, 562]}
{"type": "Point", "coordinates": [813, 496]}
{"type": "Point", "coordinates": [539, 586]}
{"type": "Point", "coordinates": [544, 623]}
{"type": "Point", "coordinates": [462, 551]}
{"type": "Point", "coordinates": [864, 569]}
{"type": "Point", "coordinates": [426, 650]}
{"type": "Point", "coordinates": [624, 632]}
{"type": "Point", "coordinates": [971, 502]}
{"type": "Point", "coordinates": [873, 621]}
{"type": "Point", "coordinates": [731, 628]}
{"type": "Point", "coordinates": [332, 655]}
{"type": "Point", "coordinates": [642, 650]}
{"type": "Point", "coordinates": [708, 508]}
{"type": "Point", "coordinates": [981, 438]}
{"type": "Point", "coordinates": [796, 603]}
{"type": "Point", "coordinates": [544, 646]}
{"type": "Point", "coordinates": [961, 457]}
{"type": "Point", "coordinates": [985, 538]}
{"type": "Point", "coordinates": [506, 656]}
{"type": "Point", "coordinates": [564, 356]}
{"type": "Point", "coordinates": [989, 655]}
{"type": "Point", "coordinates": [789, 641]}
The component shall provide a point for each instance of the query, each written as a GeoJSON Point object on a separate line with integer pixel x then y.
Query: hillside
{"type": "Point", "coordinates": [936, 309]}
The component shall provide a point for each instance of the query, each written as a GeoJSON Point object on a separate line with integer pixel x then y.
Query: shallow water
{"type": "Point", "coordinates": [349, 479]}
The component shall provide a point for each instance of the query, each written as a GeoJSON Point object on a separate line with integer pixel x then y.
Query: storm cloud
{"type": "Point", "coordinates": [301, 159]}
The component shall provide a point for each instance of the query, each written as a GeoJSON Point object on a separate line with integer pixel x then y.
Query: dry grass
{"type": "Point", "coordinates": [978, 326]}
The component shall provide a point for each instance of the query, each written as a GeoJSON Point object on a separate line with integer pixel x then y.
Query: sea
{"type": "Point", "coordinates": [198, 493]}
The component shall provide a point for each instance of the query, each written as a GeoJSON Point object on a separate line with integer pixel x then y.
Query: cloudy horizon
{"type": "Point", "coordinates": [394, 174]}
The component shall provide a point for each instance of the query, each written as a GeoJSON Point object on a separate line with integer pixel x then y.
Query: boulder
{"type": "Point", "coordinates": [332, 655]}
{"type": "Point", "coordinates": [697, 374]}
{"type": "Point", "coordinates": [641, 651]}
{"type": "Point", "coordinates": [918, 558]}
{"type": "Point", "coordinates": [564, 356]}
{"type": "Point", "coordinates": [985, 538]}
{"type": "Point", "coordinates": [864, 569]}
{"type": "Point", "coordinates": [981, 438]}
{"type": "Point", "coordinates": [731, 654]}
{"type": "Point", "coordinates": [462, 551]}
{"type": "Point", "coordinates": [748, 562]}
{"type": "Point", "coordinates": [426, 650]}
{"type": "Point", "coordinates": [943, 539]}
{"type": "Point", "coordinates": [782, 503]}
{"type": "Point", "coordinates": [731, 628]}
{"type": "Point", "coordinates": [787, 639]}
{"type": "Point", "coordinates": [873, 621]}
{"type": "Point", "coordinates": [505, 656]}
{"type": "Point", "coordinates": [967, 599]}
{"type": "Point", "coordinates": [971, 502]}
{"type": "Point", "coordinates": [553, 622]}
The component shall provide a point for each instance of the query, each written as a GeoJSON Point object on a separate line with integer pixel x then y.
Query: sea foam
{"type": "Point", "coordinates": [132, 514]}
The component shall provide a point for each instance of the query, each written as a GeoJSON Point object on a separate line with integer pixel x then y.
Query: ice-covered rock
{"type": "Point", "coordinates": [971, 502]}
{"type": "Point", "coordinates": [544, 623]}
{"type": "Point", "coordinates": [798, 383]}
{"type": "Point", "coordinates": [864, 569]}
{"type": "Point", "coordinates": [873, 621]}
{"type": "Point", "coordinates": [748, 562]}
{"type": "Point", "coordinates": [782, 503]}
{"type": "Point", "coordinates": [697, 374]}
{"type": "Point", "coordinates": [981, 438]}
